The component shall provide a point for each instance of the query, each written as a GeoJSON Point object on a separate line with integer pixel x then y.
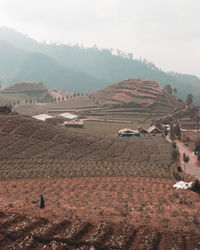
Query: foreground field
{"type": "Point", "coordinates": [107, 213]}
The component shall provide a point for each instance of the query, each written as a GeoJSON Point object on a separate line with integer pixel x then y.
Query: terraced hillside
{"type": "Point", "coordinates": [22, 91]}
{"type": "Point", "coordinates": [61, 152]}
{"type": "Point", "coordinates": [98, 213]}
{"type": "Point", "coordinates": [137, 95]}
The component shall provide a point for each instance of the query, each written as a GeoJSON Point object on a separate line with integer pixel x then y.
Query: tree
{"type": "Point", "coordinates": [175, 131]}
{"type": "Point", "coordinates": [42, 205]}
{"type": "Point", "coordinates": [185, 158]}
{"type": "Point", "coordinates": [168, 89]}
{"type": "Point", "coordinates": [175, 91]}
{"type": "Point", "coordinates": [189, 100]}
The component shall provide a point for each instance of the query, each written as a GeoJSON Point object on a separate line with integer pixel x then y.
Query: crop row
{"type": "Point", "coordinates": [43, 168]}
{"type": "Point", "coordinates": [38, 232]}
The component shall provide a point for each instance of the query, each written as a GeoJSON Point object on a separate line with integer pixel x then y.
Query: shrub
{"type": "Point", "coordinates": [175, 154]}
{"type": "Point", "coordinates": [196, 186]}
{"type": "Point", "coordinates": [186, 158]}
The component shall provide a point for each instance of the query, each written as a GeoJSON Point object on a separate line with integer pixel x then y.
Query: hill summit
{"type": "Point", "coordinates": [138, 94]}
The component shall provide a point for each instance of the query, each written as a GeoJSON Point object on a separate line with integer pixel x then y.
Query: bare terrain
{"type": "Point", "coordinates": [103, 212]}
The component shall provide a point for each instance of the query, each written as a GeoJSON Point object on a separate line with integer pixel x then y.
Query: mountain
{"type": "Point", "coordinates": [102, 67]}
{"type": "Point", "coordinates": [17, 65]}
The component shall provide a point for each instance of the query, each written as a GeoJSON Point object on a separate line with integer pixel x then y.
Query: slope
{"type": "Point", "coordinates": [17, 65]}
{"type": "Point", "coordinates": [137, 95]}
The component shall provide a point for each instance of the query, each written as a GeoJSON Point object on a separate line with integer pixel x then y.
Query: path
{"type": "Point", "coordinates": [192, 166]}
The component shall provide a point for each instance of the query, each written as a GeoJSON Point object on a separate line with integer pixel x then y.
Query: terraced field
{"type": "Point", "coordinates": [103, 213]}
{"type": "Point", "coordinates": [30, 148]}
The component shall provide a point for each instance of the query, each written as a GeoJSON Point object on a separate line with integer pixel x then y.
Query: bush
{"type": "Point", "coordinates": [196, 186]}
{"type": "Point", "coordinates": [175, 154]}
{"type": "Point", "coordinates": [186, 158]}
{"type": "Point", "coordinates": [174, 144]}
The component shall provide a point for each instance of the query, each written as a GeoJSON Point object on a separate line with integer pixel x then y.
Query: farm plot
{"type": "Point", "coordinates": [41, 151]}
{"type": "Point", "coordinates": [42, 168]}
{"type": "Point", "coordinates": [103, 212]}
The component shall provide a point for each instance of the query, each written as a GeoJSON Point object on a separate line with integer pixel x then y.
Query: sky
{"type": "Point", "coordinates": [165, 32]}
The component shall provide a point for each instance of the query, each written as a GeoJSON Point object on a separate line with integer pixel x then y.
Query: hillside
{"type": "Point", "coordinates": [17, 65]}
{"type": "Point", "coordinates": [101, 67]}
{"type": "Point", "coordinates": [126, 199]}
{"type": "Point", "coordinates": [22, 92]}
{"type": "Point", "coordinates": [137, 95]}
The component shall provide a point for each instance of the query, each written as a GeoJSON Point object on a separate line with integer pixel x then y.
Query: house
{"type": "Point", "coordinates": [154, 130]}
{"type": "Point", "coordinates": [143, 131]}
{"type": "Point", "coordinates": [166, 127]}
{"type": "Point", "coordinates": [5, 110]}
{"type": "Point", "coordinates": [42, 117]}
{"type": "Point", "coordinates": [74, 124]}
{"type": "Point", "coordinates": [136, 133]}
{"type": "Point", "coordinates": [55, 120]}
{"type": "Point", "coordinates": [68, 116]}
{"type": "Point", "coordinates": [126, 132]}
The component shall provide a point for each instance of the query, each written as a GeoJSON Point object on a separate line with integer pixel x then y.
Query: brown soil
{"type": "Point", "coordinates": [104, 212]}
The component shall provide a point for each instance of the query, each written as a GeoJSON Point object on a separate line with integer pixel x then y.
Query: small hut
{"type": "Point", "coordinates": [143, 131]}
{"type": "Point", "coordinates": [154, 130]}
{"type": "Point", "coordinates": [126, 132]}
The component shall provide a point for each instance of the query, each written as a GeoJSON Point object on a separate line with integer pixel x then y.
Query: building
{"type": "Point", "coordinates": [154, 130]}
{"type": "Point", "coordinates": [136, 133]}
{"type": "Point", "coordinates": [74, 124]}
{"type": "Point", "coordinates": [68, 116]}
{"type": "Point", "coordinates": [126, 132]}
{"type": "Point", "coordinates": [42, 117]}
{"type": "Point", "coordinates": [143, 131]}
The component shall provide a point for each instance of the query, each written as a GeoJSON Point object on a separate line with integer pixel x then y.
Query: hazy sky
{"type": "Point", "coordinates": [166, 32]}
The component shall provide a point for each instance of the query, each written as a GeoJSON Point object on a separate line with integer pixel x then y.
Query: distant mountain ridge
{"type": "Point", "coordinates": [100, 68]}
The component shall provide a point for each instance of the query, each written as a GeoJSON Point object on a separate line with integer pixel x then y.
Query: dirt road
{"type": "Point", "coordinates": [191, 167]}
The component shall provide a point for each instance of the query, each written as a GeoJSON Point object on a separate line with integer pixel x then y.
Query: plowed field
{"type": "Point", "coordinates": [103, 212]}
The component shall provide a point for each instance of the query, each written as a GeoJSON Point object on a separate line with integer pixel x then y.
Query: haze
{"type": "Point", "coordinates": [166, 32]}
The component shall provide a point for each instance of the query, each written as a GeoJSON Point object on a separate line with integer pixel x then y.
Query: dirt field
{"type": "Point", "coordinates": [107, 213]}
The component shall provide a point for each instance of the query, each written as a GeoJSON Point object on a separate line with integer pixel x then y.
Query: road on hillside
{"type": "Point", "coordinates": [192, 166]}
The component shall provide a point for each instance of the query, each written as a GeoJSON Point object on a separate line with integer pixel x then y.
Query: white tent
{"type": "Point", "coordinates": [42, 117]}
{"type": "Point", "coordinates": [68, 116]}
